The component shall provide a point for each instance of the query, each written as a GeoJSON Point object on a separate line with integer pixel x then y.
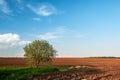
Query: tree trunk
{"type": "Point", "coordinates": [37, 64]}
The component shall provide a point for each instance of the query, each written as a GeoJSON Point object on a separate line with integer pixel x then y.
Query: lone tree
{"type": "Point", "coordinates": [39, 51]}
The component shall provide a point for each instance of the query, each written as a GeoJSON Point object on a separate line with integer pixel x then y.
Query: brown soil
{"type": "Point", "coordinates": [80, 74]}
{"type": "Point", "coordinates": [13, 62]}
{"type": "Point", "coordinates": [102, 69]}
{"type": "Point", "coordinates": [65, 61]}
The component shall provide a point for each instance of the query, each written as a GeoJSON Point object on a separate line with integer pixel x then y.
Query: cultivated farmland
{"type": "Point", "coordinates": [100, 68]}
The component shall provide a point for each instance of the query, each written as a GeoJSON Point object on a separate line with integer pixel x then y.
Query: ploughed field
{"type": "Point", "coordinates": [99, 62]}
{"type": "Point", "coordinates": [100, 68]}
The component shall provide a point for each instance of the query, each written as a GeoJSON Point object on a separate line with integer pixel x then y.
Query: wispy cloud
{"type": "Point", "coordinates": [36, 19]}
{"type": "Point", "coordinates": [4, 7]}
{"type": "Point", "coordinates": [19, 1]}
{"type": "Point", "coordinates": [43, 9]}
{"type": "Point", "coordinates": [10, 40]}
{"type": "Point", "coordinates": [60, 33]}
{"type": "Point", "coordinates": [48, 36]}
{"type": "Point", "coordinates": [57, 33]}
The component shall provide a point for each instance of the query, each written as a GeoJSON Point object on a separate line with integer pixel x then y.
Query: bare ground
{"type": "Point", "coordinates": [100, 73]}
{"type": "Point", "coordinates": [102, 69]}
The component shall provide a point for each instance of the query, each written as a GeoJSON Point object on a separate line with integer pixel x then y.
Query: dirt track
{"type": "Point", "coordinates": [103, 69]}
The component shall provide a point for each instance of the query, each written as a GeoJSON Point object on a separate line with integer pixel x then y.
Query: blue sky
{"type": "Point", "coordinates": [76, 28]}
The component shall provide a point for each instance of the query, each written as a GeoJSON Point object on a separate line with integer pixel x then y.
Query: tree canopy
{"type": "Point", "coordinates": [39, 51]}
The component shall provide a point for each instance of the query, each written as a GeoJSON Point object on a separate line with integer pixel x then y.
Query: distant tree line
{"type": "Point", "coordinates": [104, 57]}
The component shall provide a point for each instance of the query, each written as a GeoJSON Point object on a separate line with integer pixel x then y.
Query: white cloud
{"type": "Point", "coordinates": [10, 40]}
{"type": "Point", "coordinates": [36, 19]}
{"type": "Point", "coordinates": [4, 7]}
{"type": "Point", "coordinates": [43, 9]}
{"type": "Point", "coordinates": [9, 37]}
